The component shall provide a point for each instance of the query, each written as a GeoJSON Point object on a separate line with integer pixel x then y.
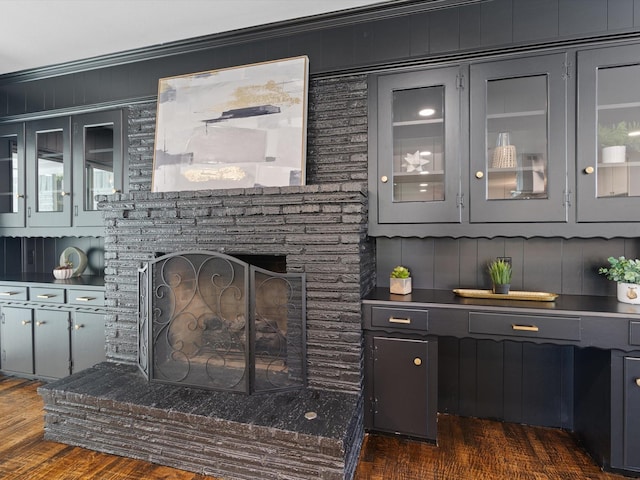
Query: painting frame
{"type": "Point", "coordinates": [238, 127]}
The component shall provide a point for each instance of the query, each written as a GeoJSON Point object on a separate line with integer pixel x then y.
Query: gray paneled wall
{"type": "Point", "coordinates": [549, 264]}
{"type": "Point", "coordinates": [384, 35]}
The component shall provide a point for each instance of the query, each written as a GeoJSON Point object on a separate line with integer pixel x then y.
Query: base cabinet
{"type": "Point", "coordinates": [51, 344]}
{"type": "Point", "coordinates": [55, 331]}
{"type": "Point", "coordinates": [87, 340]}
{"type": "Point", "coordinates": [16, 337]}
{"type": "Point", "coordinates": [631, 415]}
{"type": "Point", "coordinates": [401, 384]}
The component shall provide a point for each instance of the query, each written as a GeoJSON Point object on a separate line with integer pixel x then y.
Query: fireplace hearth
{"type": "Point", "coordinates": [210, 320]}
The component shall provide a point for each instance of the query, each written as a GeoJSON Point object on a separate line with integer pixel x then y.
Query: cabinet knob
{"type": "Point", "coordinates": [19, 195]}
{"type": "Point", "coordinates": [77, 326]}
{"type": "Point", "coordinates": [40, 323]}
{"type": "Point", "coordinates": [384, 179]}
{"type": "Point", "coordinates": [589, 170]}
{"type": "Point", "coordinates": [115, 190]}
{"type": "Point", "coordinates": [64, 194]}
{"type": "Point", "coordinates": [25, 322]}
{"type": "Point", "coordinates": [479, 174]}
{"type": "Point", "coordinates": [638, 381]}
{"type": "Point", "coordinates": [417, 361]}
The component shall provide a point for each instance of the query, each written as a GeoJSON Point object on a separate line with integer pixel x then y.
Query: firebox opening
{"type": "Point", "coordinates": [274, 263]}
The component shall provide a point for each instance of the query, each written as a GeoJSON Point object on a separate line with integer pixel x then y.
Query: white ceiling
{"type": "Point", "coordinates": [38, 33]}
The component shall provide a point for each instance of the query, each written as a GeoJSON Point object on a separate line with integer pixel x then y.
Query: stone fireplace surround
{"type": "Point", "coordinates": [321, 230]}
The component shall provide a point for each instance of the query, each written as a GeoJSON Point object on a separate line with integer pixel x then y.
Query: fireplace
{"type": "Point", "coordinates": [210, 320]}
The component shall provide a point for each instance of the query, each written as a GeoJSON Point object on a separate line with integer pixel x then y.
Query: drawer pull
{"type": "Point", "coordinates": [46, 295]}
{"type": "Point", "coordinates": [85, 299]}
{"type": "Point", "coordinates": [525, 328]}
{"type": "Point", "coordinates": [8, 294]}
{"type": "Point", "coordinates": [417, 361]}
{"type": "Point", "coordinates": [638, 381]}
{"type": "Point", "coordinates": [405, 321]}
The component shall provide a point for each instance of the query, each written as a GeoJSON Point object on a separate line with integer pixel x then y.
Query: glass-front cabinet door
{"type": "Point", "coordinates": [608, 150]}
{"type": "Point", "coordinates": [49, 173]}
{"type": "Point", "coordinates": [97, 163]}
{"type": "Point", "coordinates": [418, 134]}
{"type": "Point", "coordinates": [12, 179]}
{"type": "Point", "coordinates": [518, 140]}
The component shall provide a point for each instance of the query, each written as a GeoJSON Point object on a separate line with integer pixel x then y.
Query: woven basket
{"type": "Point", "coordinates": [504, 157]}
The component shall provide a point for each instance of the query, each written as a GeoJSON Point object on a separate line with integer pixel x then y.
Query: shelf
{"type": "Point", "coordinates": [617, 106]}
{"type": "Point", "coordinates": [618, 165]}
{"type": "Point", "coordinates": [530, 113]}
{"type": "Point", "coordinates": [432, 176]}
{"type": "Point", "coordinates": [408, 123]}
{"type": "Point", "coordinates": [101, 150]}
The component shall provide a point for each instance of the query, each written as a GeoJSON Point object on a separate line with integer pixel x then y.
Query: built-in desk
{"type": "Point", "coordinates": [598, 339]}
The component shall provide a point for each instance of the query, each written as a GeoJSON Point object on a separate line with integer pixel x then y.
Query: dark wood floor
{"type": "Point", "coordinates": [468, 449]}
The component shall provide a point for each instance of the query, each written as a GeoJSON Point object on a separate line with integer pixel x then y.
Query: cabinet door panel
{"type": "Point", "coordinates": [49, 187]}
{"type": "Point", "coordinates": [418, 122]}
{"type": "Point", "coordinates": [632, 413]}
{"type": "Point", "coordinates": [87, 340]}
{"type": "Point", "coordinates": [12, 176]}
{"type": "Point", "coordinates": [51, 343]}
{"type": "Point", "coordinates": [608, 153]}
{"type": "Point", "coordinates": [402, 372]}
{"type": "Point", "coordinates": [97, 163]}
{"type": "Point", "coordinates": [518, 140]}
{"type": "Point", "coordinates": [17, 340]}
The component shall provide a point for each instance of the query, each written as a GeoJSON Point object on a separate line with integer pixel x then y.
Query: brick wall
{"type": "Point", "coordinates": [320, 227]}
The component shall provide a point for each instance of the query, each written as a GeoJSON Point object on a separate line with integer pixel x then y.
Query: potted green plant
{"type": "Point", "coordinates": [615, 140]}
{"type": "Point", "coordinates": [500, 273]}
{"type": "Point", "coordinates": [626, 272]}
{"type": "Point", "coordinates": [400, 281]}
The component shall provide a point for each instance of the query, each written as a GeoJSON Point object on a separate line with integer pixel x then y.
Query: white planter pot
{"type": "Point", "coordinates": [617, 154]}
{"type": "Point", "coordinates": [400, 286]}
{"type": "Point", "coordinates": [629, 292]}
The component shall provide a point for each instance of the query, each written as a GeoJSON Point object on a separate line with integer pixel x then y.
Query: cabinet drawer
{"type": "Point", "coordinates": [86, 297]}
{"type": "Point", "coordinates": [46, 294]}
{"type": "Point", "coordinates": [534, 326]}
{"type": "Point", "coordinates": [400, 318]}
{"type": "Point", "coordinates": [11, 292]}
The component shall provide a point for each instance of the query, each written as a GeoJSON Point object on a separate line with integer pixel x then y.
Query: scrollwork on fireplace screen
{"type": "Point", "coordinates": [213, 321]}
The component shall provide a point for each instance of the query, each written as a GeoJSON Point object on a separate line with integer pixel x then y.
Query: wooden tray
{"type": "Point", "coordinates": [512, 295]}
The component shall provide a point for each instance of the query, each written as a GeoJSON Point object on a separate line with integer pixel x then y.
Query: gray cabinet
{"type": "Point", "coordinates": [402, 373]}
{"type": "Point", "coordinates": [12, 176]}
{"type": "Point", "coordinates": [48, 170]}
{"type": "Point", "coordinates": [54, 168]}
{"type": "Point", "coordinates": [51, 343]}
{"type": "Point", "coordinates": [608, 148]}
{"type": "Point", "coordinates": [494, 150]}
{"type": "Point", "coordinates": [532, 152]}
{"type": "Point", "coordinates": [16, 339]}
{"type": "Point", "coordinates": [519, 140]}
{"type": "Point", "coordinates": [87, 340]}
{"type": "Point", "coordinates": [631, 406]}
{"type": "Point", "coordinates": [54, 332]}
{"type": "Point", "coordinates": [98, 167]}
{"type": "Point", "coordinates": [416, 122]}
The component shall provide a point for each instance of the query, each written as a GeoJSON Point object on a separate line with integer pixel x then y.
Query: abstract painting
{"type": "Point", "coordinates": [237, 127]}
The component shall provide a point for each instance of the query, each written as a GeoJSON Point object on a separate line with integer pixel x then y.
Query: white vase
{"type": "Point", "coordinates": [400, 286]}
{"type": "Point", "coordinates": [629, 292]}
{"type": "Point", "coordinates": [616, 154]}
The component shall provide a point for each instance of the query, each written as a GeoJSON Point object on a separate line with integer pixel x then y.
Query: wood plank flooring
{"type": "Point", "coordinates": [468, 449]}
